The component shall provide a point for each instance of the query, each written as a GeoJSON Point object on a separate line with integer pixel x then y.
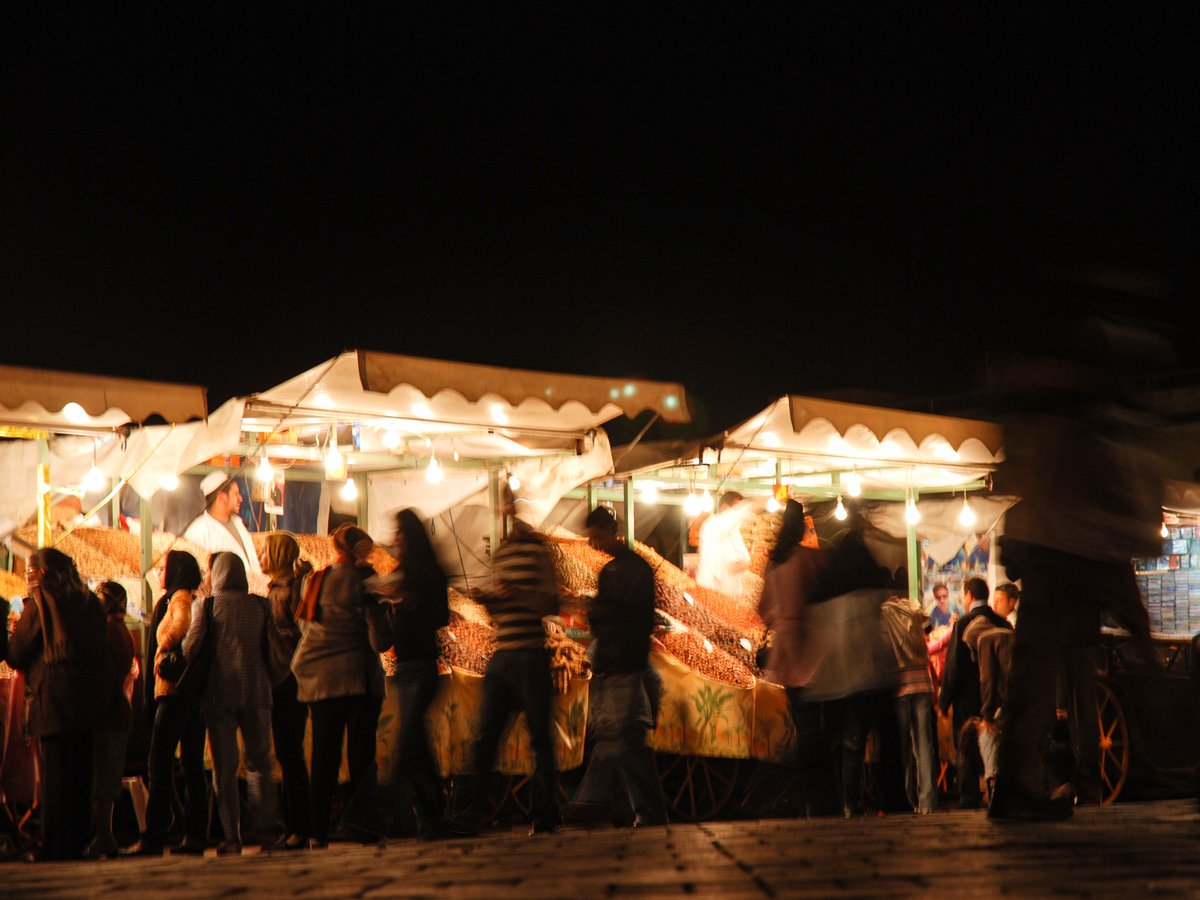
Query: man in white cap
{"type": "Point", "coordinates": [220, 527]}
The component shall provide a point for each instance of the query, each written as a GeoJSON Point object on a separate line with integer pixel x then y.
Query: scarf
{"type": "Point", "coordinates": [309, 611]}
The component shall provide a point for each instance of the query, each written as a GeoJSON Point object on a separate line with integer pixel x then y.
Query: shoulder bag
{"type": "Point", "coordinates": [190, 685]}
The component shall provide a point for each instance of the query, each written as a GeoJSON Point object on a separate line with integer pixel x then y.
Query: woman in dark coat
{"type": "Point", "coordinates": [59, 645]}
{"type": "Point", "coordinates": [417, 608]}
{"type": "Point", "coordinates": [112, 733]}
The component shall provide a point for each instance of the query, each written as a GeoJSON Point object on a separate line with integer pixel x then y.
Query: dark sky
{"type": "Point", "coordinates": [749, 203]}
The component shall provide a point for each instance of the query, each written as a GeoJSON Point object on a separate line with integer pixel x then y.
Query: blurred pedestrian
{"type": "Point", "coordinates": [237, 698]}
{"type": "Point", "coordinates": [178, 723]}
{"type": "Point", "coordinates": [1081, 451]}
{"type": "Point", "coordinates": [280, 560]}
{"type": "Point", "coordinates": [524, 589]}
{"type": "Point", "coordinates": [417, 606]}
{"type": "Point", "coordinates": [112, 732]}
{"type": "Point", "coordinates": [904, 623]}
{"type": "Point", "coordinates": [59, 646]}
{"type": "Point", "coordinates": [621, 617]}
{"type": "Point", "coordinates": [343, 629]}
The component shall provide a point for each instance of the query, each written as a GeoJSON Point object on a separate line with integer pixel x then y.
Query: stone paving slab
{"type": "Point", "coordinates": [1126, 851]}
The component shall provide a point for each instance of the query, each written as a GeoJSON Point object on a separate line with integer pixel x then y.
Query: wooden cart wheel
{"type": "Point", "coordinates": [1114, 743]}
{"type": "Point", "coordinates": [697, 787]}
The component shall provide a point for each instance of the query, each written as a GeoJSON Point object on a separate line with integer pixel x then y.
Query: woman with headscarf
{"type": "Point", "coordinates": [339, 674]}
{"type": "Point", "coordinates": [59, 646]}
{"type": "Point", "coordinates": [237, 697]}
{"type": "Point", "coordinates": [417, 607]}
{"type": "Point", "coordinates": [177, 723]}
{"type": "Point", "coordinates": [280, 560]}
{"type": "Point", "coordinates": [112, 732]}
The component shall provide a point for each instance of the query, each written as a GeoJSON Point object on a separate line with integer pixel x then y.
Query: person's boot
{"type": "Point", "coordinates": [104, 844]}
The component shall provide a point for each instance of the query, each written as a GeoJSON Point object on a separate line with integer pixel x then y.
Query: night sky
{"type": "Point", "coordinates": [748, 202]}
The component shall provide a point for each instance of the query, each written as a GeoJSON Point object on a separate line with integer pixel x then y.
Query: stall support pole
{"type": "Point", "coordinates": [629, 512]}
{"type": "Point", "coordinates": [494, 505]}
{"type": "Point", "coordinates": [360, 482]}
{"type": "Point", "coordinates": [591, 495]}
{"type": "Point", "coordinates": [914, 571]}
{"type": "Point", "coordinates": [43, 491]}
{"type": "Point", "coordinates": [114, 508]}
{"type": "Point", "coordinates": [146, 527]}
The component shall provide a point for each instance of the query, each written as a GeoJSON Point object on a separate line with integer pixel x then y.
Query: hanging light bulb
{"type": "Point", "coordinates": [335, 463]}
{"type": "Point", "coordinates": [514, 482]}
{"type": "Point", "coordinates": [265, 471]}
{"type": "Point", "coordinates": [853, 485]}
{"type": "Point", "coordinates": [649, 492]}
{"type": "Point", "coordinates": [691, 505]}
{"type": "Point", "coordinates": [966, 518]}
{"type": "Point", "coordinates": [434, 473]}
{"type": "Point", "coordinates": [839, 511]}
{"type": "Point", "coordinates": [912, 515]}
{"type": "Point", "coordinates": [773, 505]}
{"type": "Point", "coordinates": [390, 438]}
{"type": "Point", "coordinates": [169, 482]}
{"type": "Point", "coordinates": [1163, 531]}
{"type": "Point", "coordinates": [350, 490]}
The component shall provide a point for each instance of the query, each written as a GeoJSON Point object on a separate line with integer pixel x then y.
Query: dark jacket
{"type": "Point", "coordinates": [622, 614]}
{"type": "Point", "coordinates": [118, 714]}
{"type": "Point", "coordinates": [283, 598]}
{"type": "Point", "coordinates": [68, 696]}
{"type": "Point", "coordinates": [424, 609]}
{"type": "Point", "coordinates": [960, 680]}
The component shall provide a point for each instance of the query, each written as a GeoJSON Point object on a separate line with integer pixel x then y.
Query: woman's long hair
{"type": "Point", "coordinates": [181, 572]}
{"type": "Point", "coordinates": [61, 588]}
{"type": "Point", "coordinates": [418, 555]}
{"type": "Point", "coordinates": [791, 532]}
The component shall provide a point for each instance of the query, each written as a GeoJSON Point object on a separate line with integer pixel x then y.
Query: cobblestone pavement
{"type": "Point", "coordinates": [1129, 850]}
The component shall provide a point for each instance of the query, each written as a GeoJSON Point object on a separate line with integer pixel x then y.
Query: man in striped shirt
{"type": "Point", "coordinates": [524, 589]}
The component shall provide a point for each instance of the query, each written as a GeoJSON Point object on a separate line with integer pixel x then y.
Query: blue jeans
{"type": "Point", "coordinates": [619, 716]}
{"type": "Point", "coordinates": [517, 681]}
{"type": "Point", "coordinates": [918, 750]}
{"type": "Point", "coordinates": [409, 693]}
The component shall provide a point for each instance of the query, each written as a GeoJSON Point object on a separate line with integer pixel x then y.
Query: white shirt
{"type": "Point", "coordinates": [722, 552]}
{"type": "Point", "coordinates": [214, 537]}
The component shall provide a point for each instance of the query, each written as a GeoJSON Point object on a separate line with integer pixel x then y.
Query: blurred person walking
{"type": "Point", "coordinates": [59, 645]}
{"type": "Point", "coordinates": [416, 605]}
{"type": "Point", "coordinates": [1081, 451]}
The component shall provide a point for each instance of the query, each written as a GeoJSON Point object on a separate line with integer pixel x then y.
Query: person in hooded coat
{"type": "Point", "coordinates": [237, 697]}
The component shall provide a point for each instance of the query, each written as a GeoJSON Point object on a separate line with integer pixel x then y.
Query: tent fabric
{"type": "Point", "coordinates": [888, 449]}
{"type": "Point", "coordinates": [40, 398]}
{"type": "Point", "coordinates": [432, 393]}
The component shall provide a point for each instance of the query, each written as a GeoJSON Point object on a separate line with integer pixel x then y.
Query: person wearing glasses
{"type": "Point", "coordinates": [942, 612]}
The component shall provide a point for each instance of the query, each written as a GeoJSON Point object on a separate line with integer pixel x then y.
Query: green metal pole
{"type": "Point", "coordinates": [629, 512]}
{"type": "Point", "coordinates": [914, 572]}
{"type": "Point", "coordinates": [494, 506]}
{"type": "Point", "coordinates": [147, 536]}
{"type": "Point", "coordinates": [360, 482]}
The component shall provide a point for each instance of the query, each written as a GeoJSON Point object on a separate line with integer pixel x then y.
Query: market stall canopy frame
{"type": "Point", "coordinates": [52, 400]}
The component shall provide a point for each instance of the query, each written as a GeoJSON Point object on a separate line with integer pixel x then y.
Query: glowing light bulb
{"type": "Point", "coordinates": [773, 505]}
{"type": "Point", "coordinates": [839, 511]}
{"type": "Point", "coordinates": [912, 515]}
{"type": "Point", "coordinates": [94, 480]}
{"type": "Point", "coordinates": [335, 464]}
{"type": "Point", "coordinates": [853, 485]}
{"type": "Point", "coordinates": [1163, 531]}
{"type": "Point", "coordinates": [966, 518]}
{"type": "Point", "coordinates": [514, 482]}
{"type": "Point", "coordinates": [390, 439]}
{"type": "Point", "coordinates": [691, 505]}
{"type": "Point", "coordinates": [434, 473]}
{"type": "Point", "coordinates": [169, 482]}
{"type": "Point", "coordinates": [350, 490]}
{"type": "Point", "coordinates": [649, 493]}
{"type": "Point", "coordinates": [265, 471]}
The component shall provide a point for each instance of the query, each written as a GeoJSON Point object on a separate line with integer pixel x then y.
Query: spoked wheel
{"type": "Point", "coordinates": [697, 787]}
{"type": "Point", "coordinates": [1114, 743]}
